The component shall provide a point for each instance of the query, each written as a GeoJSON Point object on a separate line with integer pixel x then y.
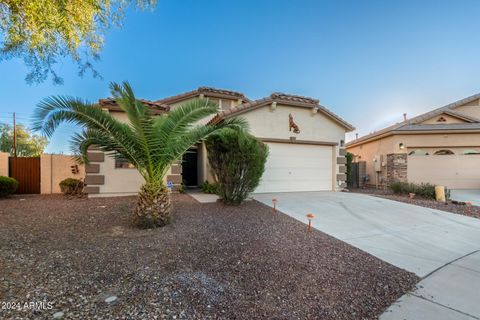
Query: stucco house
{"type": "Point", "coordinates": [306, 143]}
{"type": "Point", "coordinates": [440, 147]}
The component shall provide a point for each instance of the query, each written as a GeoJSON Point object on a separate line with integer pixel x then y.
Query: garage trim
{"type": "Point", "coordinates": [295, 141]}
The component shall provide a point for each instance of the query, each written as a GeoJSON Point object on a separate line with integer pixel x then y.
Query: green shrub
{"type": "Point", "coordinates": [423, 190]}
{"type": "Point", "coordinates": [7, 186]}
{"type": "Point", "coordinates": [238, 161]}
{"type": "Point", "coordinates": [71, 186]}
{"type": "Point", "coordinates": [349, 157]}
{"type": "Point", "coordinates": [182, 188]}
{"type": "Point", "coordinates": [208, 187]}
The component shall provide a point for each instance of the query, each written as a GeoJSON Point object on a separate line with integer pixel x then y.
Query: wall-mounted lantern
{"type": "Point", "coordinates": [401, 146]}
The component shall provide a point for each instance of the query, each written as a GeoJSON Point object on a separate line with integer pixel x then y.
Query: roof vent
{"type": "Point", "coordinates": [404, 117]}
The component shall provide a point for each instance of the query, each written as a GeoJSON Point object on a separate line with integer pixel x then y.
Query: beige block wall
{"type": "Point", "coordinates": [4, 164]}
{"type": "Point", "coordinates": [452, 171]}
{"type": "Point", "coordinates": [119, 181]}
{"type": "Point", "coordinates": [55, 168]}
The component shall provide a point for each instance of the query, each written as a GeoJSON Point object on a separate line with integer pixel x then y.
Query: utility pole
{"type": "Point", "coordinates": [14, 136]}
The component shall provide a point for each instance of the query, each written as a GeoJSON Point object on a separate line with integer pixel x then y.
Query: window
{"type": "Point", "coordinates": [418, 152]}
{"type": "Point", "coordinates": [122, 163]}
{"type": "Point", "coordinates": [443, 152]}
{"type": "Point", "coordinates": [470, 151]}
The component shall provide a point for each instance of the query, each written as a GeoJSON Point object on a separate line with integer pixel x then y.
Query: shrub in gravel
{"type": "Point", "coordinates": [423, 190]}
{"type": "Point", "coordinates": [71, 186]}
{"type": "Point", "coordinates": [238, 162]}
{"type": "Point", "coordinates": [7, 186]}
{"type": "Point", "coordinates": [208, 187]}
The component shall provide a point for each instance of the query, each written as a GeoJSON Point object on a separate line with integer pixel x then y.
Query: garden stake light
{"type": "Point", "coordinates": [310, 216]}
{"type": "Point", "coordinates": [274, 205]}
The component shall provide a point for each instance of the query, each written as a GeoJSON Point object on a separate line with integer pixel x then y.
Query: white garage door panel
{"type": "Point", "coordinates": [452, 171]}
{"type": "Point", "coordinates": [295, 167]}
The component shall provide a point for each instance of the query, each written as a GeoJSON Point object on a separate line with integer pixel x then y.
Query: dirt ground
{"type": "Point", "coordinates": [82, 259]}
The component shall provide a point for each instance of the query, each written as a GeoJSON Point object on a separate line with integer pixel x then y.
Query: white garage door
{"type": "Point", "coordinates": [453, 171]}
{"type": "Point", "coordinates": [297, 167]}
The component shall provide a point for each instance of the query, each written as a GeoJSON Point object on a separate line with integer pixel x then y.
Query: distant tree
{"type": "Point", "coordinates": [28, 144]}
{"type": "Point", "coordinates": [42, 32]}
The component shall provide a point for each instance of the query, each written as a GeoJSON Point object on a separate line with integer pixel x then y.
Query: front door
{"type": "Point", "coordinates": [189, 168]}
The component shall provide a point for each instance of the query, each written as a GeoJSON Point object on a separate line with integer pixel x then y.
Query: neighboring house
{"type": "Point", "coordinates": [306, 144]}
{"type": "Point", "coordinates": [440, 147]}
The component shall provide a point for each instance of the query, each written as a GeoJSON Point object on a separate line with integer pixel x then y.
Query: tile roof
{"type": "Point", "coordinates": [111, 104]}
{"type": "Point", "coordinates": [220, 93]}
{"type": "Point", "coordinates": [283, 98]}
{"type": "Point", "coordinates": [291, 97]}
{"type": "Point", "coordinates": [162, 105]}
{"type": "Point", "coordinates": [413, 123]}
{"type": "Point", "coordinates": [443, 126]}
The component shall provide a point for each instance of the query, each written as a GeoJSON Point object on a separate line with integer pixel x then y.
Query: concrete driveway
{"type": "Point", "coordinates": [466, 195]}
{"type": "Point", "coordinates": [440, 247]}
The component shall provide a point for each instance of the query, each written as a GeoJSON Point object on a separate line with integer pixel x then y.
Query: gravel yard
{"type": "Point", "coordinates": [470, 210]}
{"type": "Point", "coordinates": [83, 257]}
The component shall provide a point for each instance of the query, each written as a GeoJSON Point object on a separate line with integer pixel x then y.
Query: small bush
{"type": "Point", "coordinates": [349, 172]}
{"type": "Point", "coordinates": [423, 190]}
{"type": "Point", "coordinates": [7, 186]}
{"type": "Point", "coordinates": [208, 187]}
{"type": "Point", "coordinates": [71, 186]}
{"type": "Point", "coordinates": [182, 188]}
{"type": "Point", "coordinates": [238, 161]}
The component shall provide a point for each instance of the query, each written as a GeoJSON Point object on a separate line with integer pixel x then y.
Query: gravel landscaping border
{"type": "Point", "coordinates": [83, 257]}
{"type": "Point", "coordinates": [449, 206]}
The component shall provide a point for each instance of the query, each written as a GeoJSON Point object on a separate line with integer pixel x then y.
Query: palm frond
{"type": "Point", "coordinates": [150, 143]}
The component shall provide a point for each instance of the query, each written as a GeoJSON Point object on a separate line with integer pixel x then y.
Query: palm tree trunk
{"type": "Point", "coordinates": [154, 206]}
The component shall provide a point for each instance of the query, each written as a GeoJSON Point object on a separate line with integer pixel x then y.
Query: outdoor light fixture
{"type": "Point", "coordinates": [401, 146]}
{"type": "Point", "coordinates": [274, 205]}
{"type": "Point", "coordinates": [310, 216]}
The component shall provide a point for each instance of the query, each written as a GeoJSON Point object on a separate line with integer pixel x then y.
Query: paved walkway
{"type": "Point", "coordinates": [202, 197]}
{"type": "Point", "coordinates": [471, 195]}
{"type": "Point", "coordinates": [440, 247]}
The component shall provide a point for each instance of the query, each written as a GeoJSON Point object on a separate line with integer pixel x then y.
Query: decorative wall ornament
{"type": "Point", "coordinates": [292, 125]}
{"type": "Point", "coordinates": [441, 119]}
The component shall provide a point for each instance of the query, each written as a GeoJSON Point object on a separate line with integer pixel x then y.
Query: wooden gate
{"type": "Point", "coordinates": [27, 172]}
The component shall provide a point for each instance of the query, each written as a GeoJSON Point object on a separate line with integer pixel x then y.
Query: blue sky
{"type": "Point", "coordinates": [368, 61]}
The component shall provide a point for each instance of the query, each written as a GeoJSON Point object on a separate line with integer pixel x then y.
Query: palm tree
{"type": "Point", "coordinates": [151, 143]}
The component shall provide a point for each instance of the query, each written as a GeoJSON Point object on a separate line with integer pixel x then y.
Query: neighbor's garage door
{"type": "Point", "coordinates": [456, 171]}
{"type": "Point", "coordinates": [297, 167]}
